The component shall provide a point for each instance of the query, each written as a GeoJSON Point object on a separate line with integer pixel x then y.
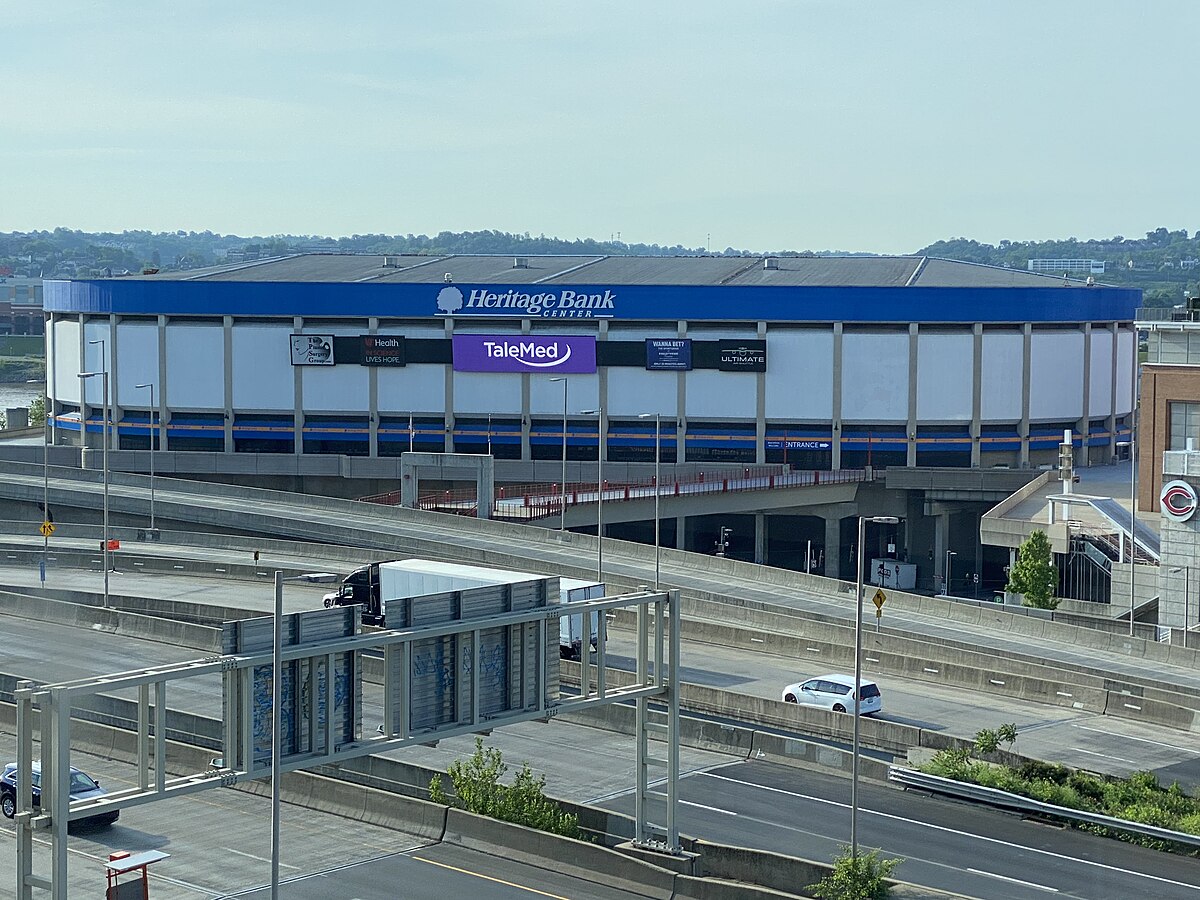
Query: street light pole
{"type": "Point", "coordinates": [153, 434]}
{"type": "Point", "coordinates": [1132, 521]}
{"type": "Point", "coordinates": [104, 463]}
{"type": "Point", "coordinates": [858, 604]}
{"type": "Point", "coordinates": [562, 526]}
{"type": "Point", "coordinates": [489, 434]}
{"type": "Point", "coordinates": [657, 486]}
{"type": "Point", "coordinates": [949, 562]}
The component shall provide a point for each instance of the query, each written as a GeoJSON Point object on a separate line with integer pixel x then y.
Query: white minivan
{"type": "Point", "coordinates": [835, 692]}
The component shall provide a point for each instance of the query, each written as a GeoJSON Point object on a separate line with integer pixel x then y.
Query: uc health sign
{"type": "Point", "coordinates": [553, 354]}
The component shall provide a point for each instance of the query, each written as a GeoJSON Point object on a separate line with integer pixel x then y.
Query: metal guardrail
{"type": "Point", "coordinates": [911, 778]}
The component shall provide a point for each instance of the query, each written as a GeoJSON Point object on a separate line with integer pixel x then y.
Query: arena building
{"type": "Point", "coordinates": [820, 363]}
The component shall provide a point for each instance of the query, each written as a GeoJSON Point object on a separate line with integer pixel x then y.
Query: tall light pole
{"type": "Point", "coordinates": [153, 429]}
{"type": "Point", "coordinates": [103, 376]}
{"type": "Point", "coordinates": [563, 523]}
{"type": "Point", "coordinates": [599, 413]}
{"type": "Point", "coordinates": [657, 484]}
{"type": "Point", "coordinates": [489, 434]}
{"type": "Point", "coordinates": [858, 604]}
{"type": "Point", "coordinates": [950, 554]}
{"type": "Point", "coordinates": [276, 703]}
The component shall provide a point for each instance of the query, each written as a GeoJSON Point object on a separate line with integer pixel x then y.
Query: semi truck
{"type": "Point", "coordinates": [374, 584]}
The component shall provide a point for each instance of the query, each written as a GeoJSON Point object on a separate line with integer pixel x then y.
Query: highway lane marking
{"type": "Point", "coordinates": [1031, 884]}
{"type": "Point", "coordinates": [511, 884]}
{"type": "Point", "coordinates": [1106, 756]}
{"type": "Point", "coordinates": [716, 809]}
{"type": "Point", "coordinates": [264, 859]}
{"type": "Point", "coordinates": [1130, 737]}
{"type": "Point", "coordinates": [943, 828]}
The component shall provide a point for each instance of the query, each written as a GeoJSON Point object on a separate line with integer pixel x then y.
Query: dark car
{"type": "Point", "coordinates": [83, 787]}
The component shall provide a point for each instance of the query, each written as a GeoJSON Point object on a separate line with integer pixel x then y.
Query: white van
{"type": "Point", "coordinates": [835, 692]}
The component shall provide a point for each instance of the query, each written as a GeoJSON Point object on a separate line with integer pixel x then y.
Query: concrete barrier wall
{"type": "Point", "coordinates": [578, 859]}
{"type": "Point", "coordinates": [1152, 712]}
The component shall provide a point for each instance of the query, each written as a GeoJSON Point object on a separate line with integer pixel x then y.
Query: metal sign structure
{"type": "Point", "coordinates": [503, 670]}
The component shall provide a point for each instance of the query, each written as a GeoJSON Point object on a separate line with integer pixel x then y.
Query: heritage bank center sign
{"type": "Point", "coordinates": [551, 304]}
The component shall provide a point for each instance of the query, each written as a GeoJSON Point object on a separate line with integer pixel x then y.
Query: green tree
{"type": "Point", "coordinates": [1034, 575]}
{"type": "Point", "coordinates": [864, 877]}
{"type": "Point", "coordinates": [478, 789]}
{"type": "Point", "coordinates": [37, 412]}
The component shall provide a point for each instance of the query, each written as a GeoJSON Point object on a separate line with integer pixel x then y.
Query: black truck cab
{"type": "Point", "coordinates": [362, 587]}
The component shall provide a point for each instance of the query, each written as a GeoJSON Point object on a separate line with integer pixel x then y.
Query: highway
{"type": "Point", "coordinates": [1053, 733]}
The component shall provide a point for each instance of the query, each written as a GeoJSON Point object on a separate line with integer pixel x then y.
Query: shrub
{"type": "Point", "coordinates": [987, 741]}
{"type": "Point", "coordinates": [862, 878]}
{"type": "Point", "coordinates": [478, 789]}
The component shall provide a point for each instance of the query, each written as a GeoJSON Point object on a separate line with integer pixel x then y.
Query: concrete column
{"type": "Point", "coordinates": [833, 547]}
{"type": "Point", "coordinates": [760, 413]}
{"type": "Point", "coordinates": [941, 543]}
{"type": "Point", "coordinates": [53, 406]}
{"type": "Point", "coordinates": [526, 411]}
{"type": "Point", "coordinates": [373, 398]}
{"type": "Point", "coordinates": [914, 339]}
{"type": "Point", "coordinates": [160, 391]}
{"type": "Point", "coordinates": [681, 401]}
{"type": "Point", "coordinates": [1111, 422]}
{"type": "Point", "coordinates": [835, 410]}
{"type": "Point", "coordinates": [298, 397]}
{"type": "Point", "coordinates": [681, 533]}
{"type": "Point", "coordinates": [760, 538]}
{"type": "Point", "coordinates": [448, 428]}
{"type": "Point", "coordinates": [1084, 425]}
{"type": "Point", "coordinates": [976, 395]}
{"type": "Point", "coordinates": [228, 325]}
{"type": "Point", "coordinates": [1027, 356]}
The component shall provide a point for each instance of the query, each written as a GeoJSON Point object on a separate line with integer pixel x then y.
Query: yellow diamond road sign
{"type": "Point", "coordinates": [879, 599]}
{"type": "Point", "coordinates": [47, 529]}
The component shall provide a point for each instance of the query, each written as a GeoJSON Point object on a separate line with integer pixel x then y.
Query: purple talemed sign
{"type": "Point", "coordinates": [574, 354]}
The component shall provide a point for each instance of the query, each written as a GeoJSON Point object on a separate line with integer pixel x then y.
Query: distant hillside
{"type": "Point", "coordinates": [1165, 264]}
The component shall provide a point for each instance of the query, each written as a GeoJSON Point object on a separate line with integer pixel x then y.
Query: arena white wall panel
{"type": "Point", "coordinates": [1125, 350]}
{"type": "Point", "coordinates": [97, 358]}
{"type": "Point", "coordinates": [334, 389]}
{"type": "Point", "coordinates": [799, 375]}
{"type": "Point", "coordinates": [195, 366]}
{"type": "Point", "coordinates": [945, 377]}
{"type": "Point", "coordinates": [546, 396]}
{"type": "Point", "coordinates": [417, 389]}
{"type": "Point", "coordinates": [262, 369]}
{"type": "Point", "coordinates": [875, 376]}
{"type": "Point", "coordinates": [1056, 376]}
{"type": "Point", "coordinates": [1100, 395]}
{"type": "Point", "coordinates": [632, 392]}
{"type": "Point", "coordinates": [478, 393]}
{"type": "Point", "coordinates": [66, 360]}
{"type": "Point", "coordinates": [137, 363]}
{"type": "Point", "coordinates": [721, 395]}
{"type": "Point", "coordinates": [640, 332]}
{"type": "Point", "coordinates": [1003, 375]}
{"type": "Point", "coordinates": [698, 332]}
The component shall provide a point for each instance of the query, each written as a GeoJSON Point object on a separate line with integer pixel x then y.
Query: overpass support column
{"type": "Point", "coordinates": [760, 538]}
{"type": "Point", "coordinates": [833, 547]}
{"type": "Point", "coordinates": [941, 543]}
{"type": "Point", "coordinates": [681, 533]}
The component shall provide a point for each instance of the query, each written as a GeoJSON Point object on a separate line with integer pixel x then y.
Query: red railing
{"type": "Point", "coordinates": [535, 501]}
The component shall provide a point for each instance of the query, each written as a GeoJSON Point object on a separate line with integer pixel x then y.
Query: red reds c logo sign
{"type": "Point", "coordinates": [1178, 500]}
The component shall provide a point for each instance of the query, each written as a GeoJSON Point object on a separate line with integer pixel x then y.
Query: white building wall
{"type": "Point", "coordinates": [945, 377]}
{"type": "Point", "coordinates": [1003, 376]}
{"type": "Point", "coordinates": [137, 363]}
{"type": "Point", "coordinates": [483, 392]}
{"type": "Point", "coordinates": [632, 392]}
{"type": "Point", "coordinates": [335, 389]}
{"type": "Point", "coordinates": [66, 360]}
{"type": "Point", "coordinates": [96, 358]}
{"type": "Point", "coordinates": [1125, 351]}
{"type": "Point", "coordinates": [416, 389]}
{"type": "Point", "coordinates": [195, 366]}
{"type": "Point", "coordinates": [262, 369]}
{"type": "Point", "coordinates": [1100, 395]}
{"type": "Point", "coordinates": [1056, 376]}
{"type": "Point", "coordinates": [722, 395]}
{"type": "Point", "coordinates": [546, 396]}
{"type": "Point", "coordinates": [799, 385]}
{"type": "Point", "coordinates": [874, 377]}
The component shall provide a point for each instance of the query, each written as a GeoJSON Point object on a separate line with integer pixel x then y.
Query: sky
{"type": "Point", "coordinates": [876, 125]}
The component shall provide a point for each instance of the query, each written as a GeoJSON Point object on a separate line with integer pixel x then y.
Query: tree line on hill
{"type": "Point", "coordinates": [1165, 264]}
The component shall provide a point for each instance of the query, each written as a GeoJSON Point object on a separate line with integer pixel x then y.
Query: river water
{"type": "Point", "coordinates": [18, 394]}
